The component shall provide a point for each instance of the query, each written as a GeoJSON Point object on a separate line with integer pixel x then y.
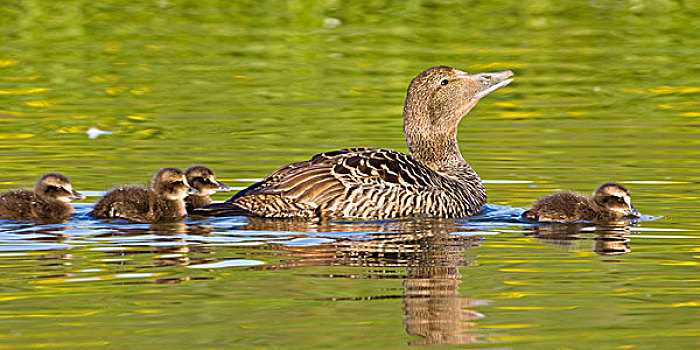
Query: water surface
{"type": "Point", "coordinates": [604, 91]}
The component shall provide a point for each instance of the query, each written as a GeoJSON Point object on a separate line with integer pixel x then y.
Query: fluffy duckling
{"type": "Point", "coordinates": [49, 200]}
{"type": "Point", "coordinates": [610, 202]}
{"type": "Point", "coordinates": [162, 201]}
{"type": "Point", "coordinates": [204, 181]}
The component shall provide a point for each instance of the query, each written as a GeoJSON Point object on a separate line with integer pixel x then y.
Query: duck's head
{"type": "Point", "coordinates": [614, 197]}
{"type": "Point", "coordinates": [204, 181]}
{"type": "Point", "coordinates": [443, 95]}
{"type": "Point", "coordinates": [436, 101]}
{"type": "Point", "coordinates": [56, 186]}
{"type": "Point", "coordinates": [170, 183]}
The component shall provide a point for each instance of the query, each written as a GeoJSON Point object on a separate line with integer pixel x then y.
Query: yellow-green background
{"type": "Point", "coordinates": [604, 91]}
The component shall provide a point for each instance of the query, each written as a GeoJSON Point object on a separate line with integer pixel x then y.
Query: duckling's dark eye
{"type": "Point", "coordinates": [179, 183]}
{"type": "Point", "coordinates": [444, 82]}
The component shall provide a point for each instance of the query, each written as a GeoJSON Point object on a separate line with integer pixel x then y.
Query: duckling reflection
{"type": "Point", "coordinates": [162, 201]}
{"type": "Point", "coordinates": [612, 241]}
{"type": "Point", "coordinates": [608, 240]}
{"type": "Point", "coordinates": [610, 203]}
{"type": "Point", "coordinates": [158, 245]}
{"type": "Point", "coordinates": [49, 234]}
{"type": "Point", "coordinates": [431, 255]}
{"type": "Point", "coordinates": [49, 201]}
{"type": "Point", "coordinates": [46, 248]}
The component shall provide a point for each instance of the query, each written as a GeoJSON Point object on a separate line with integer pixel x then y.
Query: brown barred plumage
{"type": "Point", "coordinates": [433, 181]}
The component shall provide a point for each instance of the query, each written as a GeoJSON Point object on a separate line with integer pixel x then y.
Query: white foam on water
{"type": "Point", "coordinates": [133, 275]}
{"type": "Point", "coordinates": [227, 263]}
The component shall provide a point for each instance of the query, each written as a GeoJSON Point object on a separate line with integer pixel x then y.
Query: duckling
{"type": "Point", "coordinates": [49, 200]}
{"type": "Point", "coordinates": [432, 180]}
{"type": "Point", "coordinates": [610, 202]}
{"type": "Point", "coordinates": [204, 181]}
{"type": "Point", "coordinates": [162, 201]}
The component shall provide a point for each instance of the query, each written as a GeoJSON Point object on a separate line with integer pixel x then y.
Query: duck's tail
{"type": "Point", "coordinates": [221, 209]}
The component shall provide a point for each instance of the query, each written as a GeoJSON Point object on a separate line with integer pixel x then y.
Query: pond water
{"type": "Point", "coordinates": [603, 91]}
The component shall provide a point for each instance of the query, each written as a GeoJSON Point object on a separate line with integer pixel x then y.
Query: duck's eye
{"type": "Point", "coordinates": [615, 199]}
{"type": "Point", "coordinates": [444, 82]}
{"type": "Point", "coordinates": [178, 183]}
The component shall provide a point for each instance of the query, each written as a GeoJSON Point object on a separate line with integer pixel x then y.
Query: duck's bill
{"type": "Point", "coordinates": [192, 190]}
{"type": "Point", "coordinates": [77, 196]}
{"type": "Point", "coordinates": [223, 188]}
{"type": "Point", "coordinates": [483, 93]}
{"type": "Point", "coordinates": [634, 213]}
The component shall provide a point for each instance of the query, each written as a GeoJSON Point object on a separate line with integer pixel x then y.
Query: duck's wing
{"type": "Point", "coordinates": [324, 182]}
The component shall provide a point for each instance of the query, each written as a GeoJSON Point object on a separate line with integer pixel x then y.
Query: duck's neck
{"type": "Point", "coordinates": [439, 152]}
{"type": "Point", "coordinates": [434, 145]}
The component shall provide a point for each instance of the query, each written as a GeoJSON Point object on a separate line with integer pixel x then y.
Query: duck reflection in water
{"type": "Point", "coordinates": [171, 246]}
{"type": "Point", "coordinates": [433, 308]}
{"type": "Point", "coordinates": [59, 255]}
{"type": "Point", "coordinates": [608, 239]}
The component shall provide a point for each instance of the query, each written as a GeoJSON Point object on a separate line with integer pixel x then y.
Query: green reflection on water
{"type": "Point", "coordinates": [604, 90]}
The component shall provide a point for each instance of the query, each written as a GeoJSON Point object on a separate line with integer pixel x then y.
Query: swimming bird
{"type": "Point", "coordinates": [610, 202]}
{"type": "Point", "coordinates": [204, 181]}
{"type": "Point", "coordinates": [49, 200]}
{"type": "Point", "coordinates": [432, 180]}
{"type": "Point", "coordinates": [162, 201]}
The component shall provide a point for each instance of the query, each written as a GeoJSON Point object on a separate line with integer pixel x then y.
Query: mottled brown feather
{"type": "Point", "coordinates": [434, 180]}
{"type": "Point", "coordinates": [342, 193]}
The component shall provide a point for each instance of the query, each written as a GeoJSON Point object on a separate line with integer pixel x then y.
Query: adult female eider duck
{"type": "Point", "coordinates": [49, 200]}
{"type": "Point", "coordinates": [162, 201]}
{"type": "Point", "coordinates": [204, 181]}
{"type": "Point", "coordinates": [432, 180]}
{"type": "Point", "coordinates": [610, 202]}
